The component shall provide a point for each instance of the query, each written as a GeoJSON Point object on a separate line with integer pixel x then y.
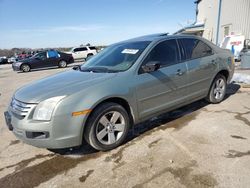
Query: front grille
{"type": "Point", "coordinates": [20, 109]}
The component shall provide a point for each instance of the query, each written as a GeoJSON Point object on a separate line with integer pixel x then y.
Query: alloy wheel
{"type": "Point", "coordinates": [110, 128]}
{"type": "Point", "coordinates": [219, 89]}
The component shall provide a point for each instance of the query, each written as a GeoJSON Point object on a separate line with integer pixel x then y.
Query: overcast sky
{"type": "Point", "coordinates": [66, 23]}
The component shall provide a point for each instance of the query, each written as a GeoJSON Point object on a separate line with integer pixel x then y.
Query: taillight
{"type": "Point", "coordinates": [232, 60]}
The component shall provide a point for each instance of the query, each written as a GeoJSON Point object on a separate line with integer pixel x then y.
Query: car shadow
{"type": "Point", "coordinates": [173, 119]}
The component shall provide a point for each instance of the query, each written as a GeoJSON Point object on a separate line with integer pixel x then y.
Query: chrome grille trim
{"type": "Point", "coordinates": [20, 108]}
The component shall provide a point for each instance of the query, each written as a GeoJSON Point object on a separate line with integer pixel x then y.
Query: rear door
{"type": "Point", "coordinates": [93, 50]}
{"type": "Point", "coordinates": [53, 58]}
{"type": "Point", "coordinates": [202, 64]}
{"type": "Point", "coordinates": [166, 87]}
{"type": "Point", "coordinates": [80, 53]}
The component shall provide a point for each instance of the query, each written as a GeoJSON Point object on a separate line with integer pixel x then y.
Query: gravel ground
{"type": "Point", "coordinates": [199, 145]}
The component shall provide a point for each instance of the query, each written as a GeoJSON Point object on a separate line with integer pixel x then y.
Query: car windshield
{"type": "Point", "coordinates": [115, 58]}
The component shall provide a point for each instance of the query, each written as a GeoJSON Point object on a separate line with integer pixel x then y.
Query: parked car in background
{"type": "Point", "coordinates": [23, 56]}
{"type": "Point", "coordinates": [123, 85]}
{"type": "Point", "coordinates": [43, 59]}
{"type": "Point", "coordinates": [81, 53]}
{"type": "Point", "coordinates": [12, 60]}
{"type": "Point", "coordinates": [3, 60]}
{"type": "Point", "coordinates": [245, 55]}
{"type": "Point", "coordinates": [234, 43]}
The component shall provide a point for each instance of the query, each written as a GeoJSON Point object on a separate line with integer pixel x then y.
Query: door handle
{"type": "Point", "coordinates": [179, 72]}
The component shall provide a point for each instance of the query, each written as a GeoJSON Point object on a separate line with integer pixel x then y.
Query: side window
{"type": "Point", "coordinates": [76, 50]}
{"type": "Point", "coordinates": [80, 49]}
{"type": "Point", "coordinates": [194, 48]}
{"type": "Point", "coordinates": [165, 53]}
{"type": "Point", "coordinates": [42, 55]}
{"type": "Point", "coordinates": [92, 48]}
{"type": "Point", "coordinates": [201, 50]}
{"type": "Point", "coordinates": [83, 49]}
{"type": "Point", "coordinates": [53, 54]}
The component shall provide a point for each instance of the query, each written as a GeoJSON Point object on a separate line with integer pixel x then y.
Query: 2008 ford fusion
{"type": "Point", "coordinates": [124, 84]}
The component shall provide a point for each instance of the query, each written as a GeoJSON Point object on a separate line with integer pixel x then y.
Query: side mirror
{"type": "Point", "coordinates": [151, 67]}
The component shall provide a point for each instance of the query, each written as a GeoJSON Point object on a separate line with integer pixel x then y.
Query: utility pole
{"type": "Point", "coordinates": [218, 23]}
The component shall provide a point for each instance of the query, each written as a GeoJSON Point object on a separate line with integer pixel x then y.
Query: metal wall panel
{"type": "Point", "coordinates": [234, 13]}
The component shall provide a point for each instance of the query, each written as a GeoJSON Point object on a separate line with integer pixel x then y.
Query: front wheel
{"type": "Point", "coordinates": [62, 64]}
{"type": "Point", "coordinates": [107, 127]}
{"type": "Point", "coordinates": [218, 89]}
{"type": "Point", "coordinates": [25, 68]}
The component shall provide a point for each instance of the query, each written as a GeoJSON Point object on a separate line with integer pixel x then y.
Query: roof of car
{"type": "Point", "coordinates": [157, 37]}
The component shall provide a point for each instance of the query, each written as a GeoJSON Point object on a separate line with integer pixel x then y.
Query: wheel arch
{"type": "Point", "coordinates": [118, 100]}
{"type": "Point", "coordinates": [223, 72]}
{"type": "Point", "coordinates": [121, 101]}
{"type": "Point", "coordinates": [26, 63]}
{"type": "Point", "coordinates": [62, 59]}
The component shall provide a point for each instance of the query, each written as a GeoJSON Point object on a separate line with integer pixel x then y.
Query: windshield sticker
{"type": "Point", "coordinates": [130, 51]}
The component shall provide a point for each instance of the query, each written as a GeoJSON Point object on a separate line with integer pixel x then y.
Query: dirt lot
{"type": "Point", "coordinates": [200, 145]}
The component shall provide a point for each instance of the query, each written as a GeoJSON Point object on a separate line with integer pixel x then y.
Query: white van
{"type": "Point", "coordinates": [234, 40]}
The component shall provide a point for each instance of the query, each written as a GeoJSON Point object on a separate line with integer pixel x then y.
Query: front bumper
{"type": "Point", "coordinates": [15, 67]}
{"type": "Point", "coordinates": [61, 132]}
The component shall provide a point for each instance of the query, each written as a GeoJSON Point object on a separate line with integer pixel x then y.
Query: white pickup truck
{"type": "Point", "coordinates": [83, 52]}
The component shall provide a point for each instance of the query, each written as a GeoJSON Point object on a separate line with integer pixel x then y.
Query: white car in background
{"type": "Point", "coordinates": [12, 60]}
{"type": "Point", "coordinates": [83, 52]}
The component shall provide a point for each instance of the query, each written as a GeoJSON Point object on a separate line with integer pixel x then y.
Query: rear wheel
{"type": "Point", "coordinates": [89, 55]}
{"type": "Point", "coordinates": [107, 127]}
{"type": "Point", "coordinates": [218, 89]}
{"type": "Point", "coordinates": [25, 68]}
{"type": "Point", "coordinates": [62, 64]}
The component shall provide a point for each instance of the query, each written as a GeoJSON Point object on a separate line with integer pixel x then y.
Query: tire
{"type": "Point", "coordinates": [62, 64]}
{"type": "Point", "coordinates": [103, 134]}
{"type": "Point", "coordinates": [217, 90]}
{"type": "Point", "coordinates": [25, 68]}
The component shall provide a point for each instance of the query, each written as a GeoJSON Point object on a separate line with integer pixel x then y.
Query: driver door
{"type": "Point", "coordinates": [40, 60]}
{"type": "Point", "coordinates": [166, 87]}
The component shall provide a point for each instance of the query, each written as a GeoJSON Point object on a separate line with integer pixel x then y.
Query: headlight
{"type": "Point", "coordinates": [45, 108]}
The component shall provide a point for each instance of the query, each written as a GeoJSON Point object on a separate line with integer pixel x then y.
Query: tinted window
{"type": "Point", "coordinates": [194, 48]}
{"type": "Point", "coordinates": [80, 49]}
{"type": "Point", "coordinates": [92, 48]}
{"type": "Point", "coordinates": [165, 53]}
{"type": "Point", "coordinates": [41, 55]}
{"type": "Point", "coordinates": [53, 54]}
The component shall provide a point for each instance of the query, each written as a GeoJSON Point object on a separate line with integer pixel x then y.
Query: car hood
{"type": "Point", "coordinates": [60, 84]}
